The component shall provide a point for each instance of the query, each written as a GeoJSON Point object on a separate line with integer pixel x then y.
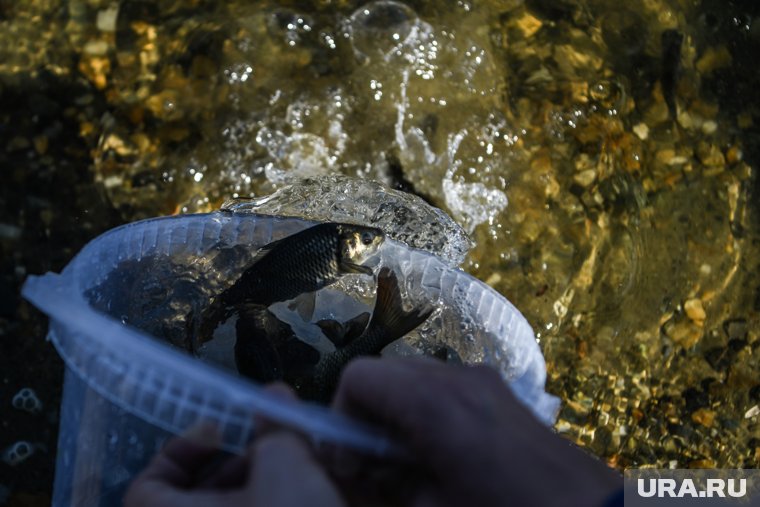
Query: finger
{"type": "Point", "coordinates": [278, 390]}
{"type": "Point", "coordinates": [285, 473]}
{"type": "Point", "coordinates": [146, 492]}
{"type": "Point", "coordinates": [385, 483]}
{"type": "Point", "coordinates": [396, 392]}
{"type": "Point", "coordinates": [433, 408]}
{"type": "Point", "coordinates": [387, 388]}
{"type": "Point", "coordinates": [183, 457]}
{"type": "Point", "coordinates": [229, 474]}
{"type": "Point", "coordinates": [234, 470]}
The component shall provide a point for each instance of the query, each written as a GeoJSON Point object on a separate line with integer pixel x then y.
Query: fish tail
{"type": "Point", "coordinates": [389, 322]}
{"type": "Point", "coordinates": [341, 334]}
{"type": "Point", "coordinates": [389, 309]}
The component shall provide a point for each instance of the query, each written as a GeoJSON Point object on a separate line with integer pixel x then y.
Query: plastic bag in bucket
{"type": "Point", "coordinates": [126, 392]}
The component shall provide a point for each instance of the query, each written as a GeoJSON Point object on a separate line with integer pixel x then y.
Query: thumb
{"type": "Point", "coordinates": [284, 473]}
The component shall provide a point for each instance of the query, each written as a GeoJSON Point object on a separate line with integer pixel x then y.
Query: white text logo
{"type": "Point", "coordinates": [735, 488]}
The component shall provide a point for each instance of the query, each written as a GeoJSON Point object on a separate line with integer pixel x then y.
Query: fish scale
{"type": "Point", "coordinates": [305, 267]}
{"type": "Point", "coordinates": [300, 263]}
{"type": "Point", "coordinates": [268, 349]}
{"type": "Point", "coordinates": [388, 323]}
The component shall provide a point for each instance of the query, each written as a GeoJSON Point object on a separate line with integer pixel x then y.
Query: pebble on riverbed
{"type": "Point", "coordinates": [710, 155]}
{"type": "Point", "coordinates": [695, 311]}
{"type": "Point", "coordinates": [685, 333]}
{"type": "Point", "coordinates": [704, 417]}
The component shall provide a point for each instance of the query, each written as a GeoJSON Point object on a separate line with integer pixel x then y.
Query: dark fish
{"type": "Point", "coordinates": [303, 262]}
{"type": "Point", "coordinates": [389, 322]}
{"type": "Point", "coordinates": [671, 68]}
{"type": "Point", "coordinates": [267, 349]}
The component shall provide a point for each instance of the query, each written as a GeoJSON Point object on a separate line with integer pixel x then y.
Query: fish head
{"type": "Point", "coordinates": [358, 243]}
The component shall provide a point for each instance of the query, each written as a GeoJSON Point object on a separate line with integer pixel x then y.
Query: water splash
{"type": "Point", "coordinates": [402, 216]}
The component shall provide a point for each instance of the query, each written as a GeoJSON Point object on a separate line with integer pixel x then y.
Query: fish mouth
{"type": "Point", "coordinates": [353, 267]}
{"type": "Point", "coordinates": [370, 259]}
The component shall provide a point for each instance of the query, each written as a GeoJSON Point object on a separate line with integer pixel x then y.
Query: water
{"type": "Point", "coordinates": [337, 198]}
{"type": "Point", "coordinates": [542, 127]}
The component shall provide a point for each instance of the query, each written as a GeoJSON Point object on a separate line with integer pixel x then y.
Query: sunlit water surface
{"type": "Point", "coordinates": [599, 158]}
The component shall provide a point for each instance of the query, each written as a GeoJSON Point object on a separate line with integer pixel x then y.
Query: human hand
{"type": "Point", "coordinates": [472, 441]}
{"type": "Point", "coordinates": [278, 471]}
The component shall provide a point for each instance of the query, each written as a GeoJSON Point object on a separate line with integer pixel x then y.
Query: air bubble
{"type": "Point", "coordinates": [290, 25]}
{"type": "Point", "coordinates": [379, 28]}
{"type": "Point", "coordinates": [18, 452]}
{"type": "Point", "coordinates": [26, 399]}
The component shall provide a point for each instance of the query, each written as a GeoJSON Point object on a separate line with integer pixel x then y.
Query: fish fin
{"type": "Point", "coordinates": [253, 315]}
{"type": "Point", "coordinates": [389, 310]}
{"type": "Point", "coordinates": [348, 267]}
{"type": "Point", "coordinates": [304, 304]}
{"type": "Point", "coordinates": [194, 328]}
{"type": "Point", "coordinates": [356, 326]}
{"type": "Point", "coordinates": [340, 334]}
{"type": "Point", "coordinates": [264, 251]}
{"type": "Point", "coordinates": [209, 319]}
{"type": "Point", "coordinates": [334, 331]}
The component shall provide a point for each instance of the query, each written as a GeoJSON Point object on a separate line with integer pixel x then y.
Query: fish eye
{"type": "Point", "coordinates": [367, 238]}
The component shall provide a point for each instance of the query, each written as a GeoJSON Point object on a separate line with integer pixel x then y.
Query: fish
{"type": "Point", "coordinates": [267, 349]}
{"type": "Point", "coordinates": [388, 323]}
{"type": "Point", "coordinates": [671, 68]}
{"type": "Point", "coordinates": [303, 262]}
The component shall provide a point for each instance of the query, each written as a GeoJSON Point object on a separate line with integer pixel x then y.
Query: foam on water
{"type": "Point", "coordinates": [378, 92]}
{"type": "Point", "coordinates": [336, 198]}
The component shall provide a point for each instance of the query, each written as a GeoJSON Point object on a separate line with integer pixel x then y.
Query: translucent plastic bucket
{"type": "Point", "coordinates": [126, 392]}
